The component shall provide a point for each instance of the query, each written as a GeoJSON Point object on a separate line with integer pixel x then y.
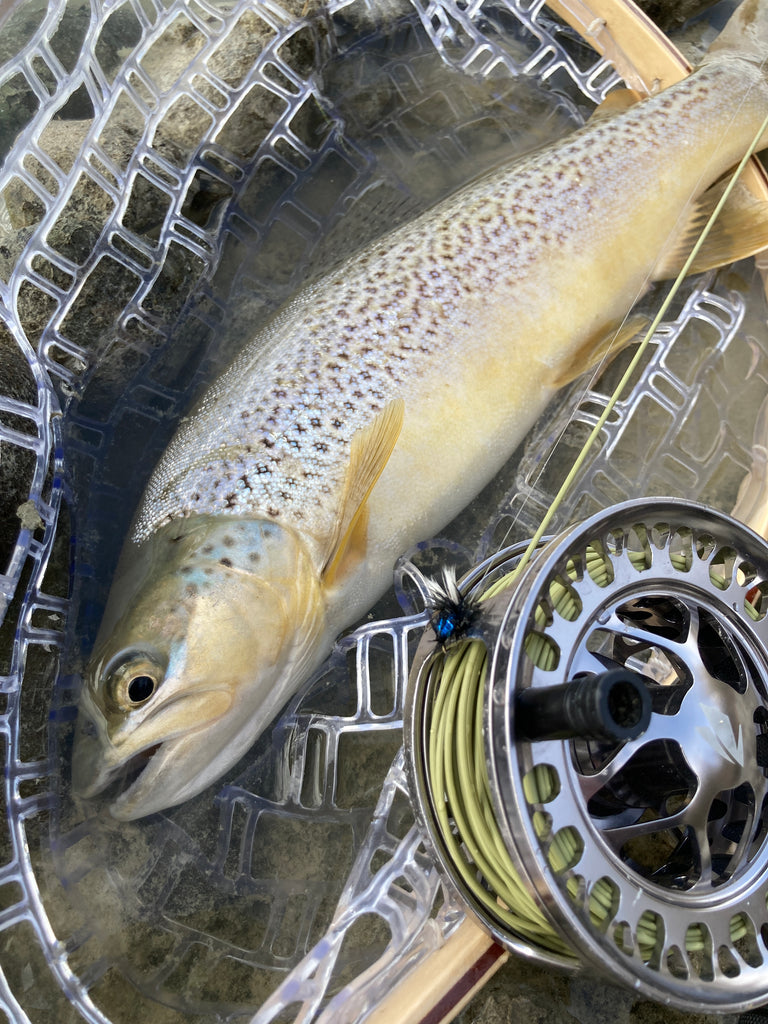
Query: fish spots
{"type": "Point", "coordinates": [254, 557]}
{"type": "Point", "coordinates": [373, 330]}
{"type": "Point", "coordinates": [228, 541]}
{"type": "Point", "coordinates": [226, 562]}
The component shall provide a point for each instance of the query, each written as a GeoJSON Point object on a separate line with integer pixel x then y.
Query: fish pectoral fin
{"type": "Point", "coordinates": [604, 344]}
{"type": "Point", "coordinates": [369, 453]}
{"type": "Point", "coordinates": [740, 230]}
{"type": "Point", "coordinates": [350, 552]}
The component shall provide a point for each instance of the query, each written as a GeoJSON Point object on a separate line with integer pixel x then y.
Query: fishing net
{"type": "Point", "coordinates": [171, 172]}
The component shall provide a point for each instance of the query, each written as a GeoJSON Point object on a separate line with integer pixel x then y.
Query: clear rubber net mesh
{"type": "Point", "coordinates": [171, 172]}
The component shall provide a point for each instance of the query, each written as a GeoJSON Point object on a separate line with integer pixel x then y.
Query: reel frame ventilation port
{"type": "Point", "coordinates": [644, 855]}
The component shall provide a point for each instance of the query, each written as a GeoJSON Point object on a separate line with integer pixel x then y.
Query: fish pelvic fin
{"type": "Point", "coordinates": [605, 343]}
{"type": "Point", "coordinates": [616, 102]}
{"type": "Point", "coordinates": [370, 450]}
{"type": "Point", "coordinates": [740, 230]}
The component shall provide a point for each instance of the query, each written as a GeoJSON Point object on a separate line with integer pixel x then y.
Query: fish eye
{"type": "Point", "coordinates": [141, 688]}
{"type": "Point", "coordinates": [132, 678]}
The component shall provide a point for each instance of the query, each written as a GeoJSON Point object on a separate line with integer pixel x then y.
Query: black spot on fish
{"type": "Point", "coordinates": [228, 542]}
{"type": "Point", "coordinates": [254, 556]}
{"type": "Point", "coordinates": [208, 549]}
{"type": "Point", "coordinates": [226, 561]}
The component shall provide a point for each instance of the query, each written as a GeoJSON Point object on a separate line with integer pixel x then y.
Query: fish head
{"type": "Point", "coordinates": [208, 629]}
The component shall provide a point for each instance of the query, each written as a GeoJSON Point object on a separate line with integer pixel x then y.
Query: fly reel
{"type": "Point", "coordinates": [626, 827]}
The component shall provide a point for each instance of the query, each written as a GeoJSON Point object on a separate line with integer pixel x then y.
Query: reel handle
{"type": "Point", "coordinates": [613, 705]}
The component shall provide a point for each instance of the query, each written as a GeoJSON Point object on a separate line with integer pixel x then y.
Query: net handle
{"type": "Point", "coordinates": [442, 985]}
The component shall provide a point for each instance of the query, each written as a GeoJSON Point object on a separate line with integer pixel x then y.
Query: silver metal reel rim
{"type": "Point", "coordinates": [507, 766]}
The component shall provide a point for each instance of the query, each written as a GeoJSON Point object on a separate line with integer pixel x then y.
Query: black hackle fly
{"type": "Point", "coordinates": [452, 613]}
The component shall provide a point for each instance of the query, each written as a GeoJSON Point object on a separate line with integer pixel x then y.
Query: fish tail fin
{"type": "Point", "coordinates": [745, 33]}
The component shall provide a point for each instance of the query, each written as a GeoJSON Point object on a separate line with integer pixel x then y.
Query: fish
{"type": "Point", "coordinates": [376, 404]}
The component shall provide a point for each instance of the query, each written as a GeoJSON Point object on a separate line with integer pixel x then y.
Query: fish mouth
{"type": "Point", "coordinates": [94, 774]}
{"type": "Point", "coordinates": [126, 785]}
{"type": "Point", "coordinates": [141, 778]}
{"type": "Point", "coordinates": [129, 773]}
{"type": "Point", "coordinates": [130, 780]}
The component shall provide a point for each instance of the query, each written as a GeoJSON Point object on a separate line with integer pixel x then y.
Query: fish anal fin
{"type": "Point", "coordinates": [740, 230]}
{"type": "Point", "coordinates": [605, 343]}
{"type": "Point", "coordinates": [369, 453]}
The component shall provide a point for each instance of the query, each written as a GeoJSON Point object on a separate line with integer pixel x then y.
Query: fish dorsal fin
{"type": "Point", "coordinates": [616, 102]}
{"type": "Point", "coordinates": [606, 342]}
{"type": "Point", "coordinates": [740, 230]}
{"type": "Point", "coordinates": [369, 453]}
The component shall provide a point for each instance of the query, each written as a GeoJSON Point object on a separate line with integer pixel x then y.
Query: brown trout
{"type": "Point", "coordinates": [376, 404]}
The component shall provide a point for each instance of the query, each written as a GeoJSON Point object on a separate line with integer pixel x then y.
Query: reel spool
{"type": "Point", "coordinates": [644, 853]}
